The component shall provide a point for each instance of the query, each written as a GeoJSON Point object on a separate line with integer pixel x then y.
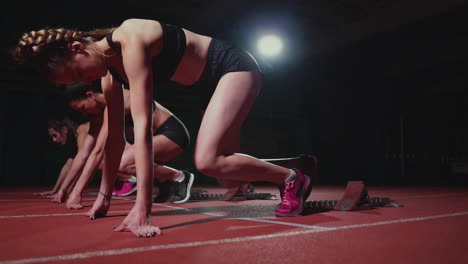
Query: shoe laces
{"type": "Point", "coordinates": [179, 188]}
{"type": "Point", "coordinates": [289, 186]}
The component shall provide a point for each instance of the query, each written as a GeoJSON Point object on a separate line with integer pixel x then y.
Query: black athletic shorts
{"type": "Point", "coordinates": [173, 129]}
{"type": "Point", "coordinates": [223, 57]}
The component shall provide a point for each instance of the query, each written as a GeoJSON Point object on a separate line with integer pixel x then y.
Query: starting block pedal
{"type": "Point", "coordinates": [239, 192]}
{"type": "Point", "coordinates": [354, 198]}
{"type": "Point", "coordinates": [354, 194]}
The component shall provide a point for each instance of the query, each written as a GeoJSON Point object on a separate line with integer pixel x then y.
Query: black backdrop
{"type": "Point", "coordinates": [376, 92]}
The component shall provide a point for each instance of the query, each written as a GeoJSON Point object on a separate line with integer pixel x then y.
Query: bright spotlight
{"type": "Point", "coordinates": [270, 45]}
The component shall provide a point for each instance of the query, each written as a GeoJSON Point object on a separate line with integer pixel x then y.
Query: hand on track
{"type": "Point", "coordinates": [100, 207]}
{"type": "Point", "coordinates": [139, 223]}
{"type": "Point", "coordinates": [74, 201]}
{"type": "Point", "coordinates": [47, 193]}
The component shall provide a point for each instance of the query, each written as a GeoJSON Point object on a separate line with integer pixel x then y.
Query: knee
{"type": "Point", "coordinates": [124, 167]}
{"type": "Point", "coordinates": [207, 164]}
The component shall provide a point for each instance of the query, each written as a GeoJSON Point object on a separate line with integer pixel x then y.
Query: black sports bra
{"type": "Point", "coordinates": [166, 62]}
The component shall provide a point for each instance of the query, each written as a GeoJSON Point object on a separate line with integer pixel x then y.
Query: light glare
{"type": "Point", "coordinates": [270, 45]}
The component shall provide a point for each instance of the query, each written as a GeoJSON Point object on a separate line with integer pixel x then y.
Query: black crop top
{"type": "Point", "coordinates": [167, 61]}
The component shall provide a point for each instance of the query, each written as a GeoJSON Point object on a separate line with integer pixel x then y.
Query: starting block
{"type": "Point", "coordinates": [354, 198]}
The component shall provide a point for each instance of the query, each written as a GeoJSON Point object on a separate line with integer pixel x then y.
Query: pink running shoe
{"type": "Point", "coordinates": [127, 189]}
{"type": "Point", "coordinates": [293, 195]}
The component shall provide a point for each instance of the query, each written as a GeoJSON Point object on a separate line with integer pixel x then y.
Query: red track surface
{"type": "Point", "coordinates": [431, 228]}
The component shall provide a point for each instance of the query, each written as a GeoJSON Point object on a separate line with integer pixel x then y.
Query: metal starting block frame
{"type": "Point", "coordinates": [238, 193]}
{"type": "Point", "coordinates": [219, 196]}
{"type": "Point", "coordinates": [354, 198]}
{"type": "Point", "coordinates": [327, 205]}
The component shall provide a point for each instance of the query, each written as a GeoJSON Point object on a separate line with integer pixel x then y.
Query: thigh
{"type": "Point", "coordinates": [165, 149]}
{"type": "Point", "coordinates": [128, 155]}
{"type": "Point", "coordinates": [228, 108]}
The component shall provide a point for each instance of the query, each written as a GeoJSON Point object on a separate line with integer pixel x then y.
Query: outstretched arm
{"type": "Point", "coordinates": [63, 173]}
{"type": "Point", "coordinates": [76, 168]}
{"type": "Point", "coordinates": [113, 134]}
{"type": "Point", "coordinates": [92, 163]}
{"type": "Point", "coordinates": [136, 53]}
{"type": "Point", "coordinates": [114, 145]}
{"type": "Point", "coordinates": [138, 69]}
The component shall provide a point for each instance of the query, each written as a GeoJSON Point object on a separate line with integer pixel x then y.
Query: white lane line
{"type": "Point", "coordinates": [123, 251]}
{"type": "Point", "coordinates": [23, 200]}
{"type": "Point", "coordinates": [46, 215]}
{"type": "Point", "coordinates": [399, 221]}
{"type": "Point", "coordinates": [41, 200]}
{"type": "Point", "coordinates": [285, 223]}
{"type": "Point", "coordinates": [447, 195]}
{"type": "Point", "coordinates": [239, 218]}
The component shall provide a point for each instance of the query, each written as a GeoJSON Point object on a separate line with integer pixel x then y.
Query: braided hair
{"type": "Point", "coordinates": [47, 48]}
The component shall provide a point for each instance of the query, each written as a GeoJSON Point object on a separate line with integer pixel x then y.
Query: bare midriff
{"type": "Point", "coordinates": [194, 60]}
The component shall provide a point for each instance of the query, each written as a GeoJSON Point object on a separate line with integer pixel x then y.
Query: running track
{"type": "Point", "coordinates": [431, 228]}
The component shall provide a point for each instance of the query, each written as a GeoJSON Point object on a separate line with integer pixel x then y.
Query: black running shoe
{"type": "Point", "coordinates": [165, 191]}
{"type": "Point", "coordinates": [182, 189]}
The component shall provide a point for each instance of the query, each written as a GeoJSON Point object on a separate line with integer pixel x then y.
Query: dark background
{"type": "Point", "coordinates": [376, 89]}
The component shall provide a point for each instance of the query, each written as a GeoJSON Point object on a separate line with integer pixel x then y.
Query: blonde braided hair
{"type": "Point", "coordinates": [48, 47]}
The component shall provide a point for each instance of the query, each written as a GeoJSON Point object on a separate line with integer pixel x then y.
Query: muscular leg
{"type": "Point", "coordinates": [164, 150]}
{"type": "Point", "coordinates": [219, 136]}
{"type": "Point", "coordinates": [123, 176]}
{"type": "Point", "coordinates": [305, 163]}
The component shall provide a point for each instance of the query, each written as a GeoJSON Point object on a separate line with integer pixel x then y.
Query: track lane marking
{"type": "Point", "coordinates": [114, 252]}
{"type": "Point", "coordinates": [47, 215]}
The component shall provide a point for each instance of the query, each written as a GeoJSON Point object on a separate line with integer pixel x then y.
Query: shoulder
{"type": "Point", "coordinates": [83, 128]}
{"type": "Point", "coordinates": [108, 83]}
{"type": "Point", "coordinates": [135, 28]}
{"type": "Point", "coordinates": [135, 23]}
